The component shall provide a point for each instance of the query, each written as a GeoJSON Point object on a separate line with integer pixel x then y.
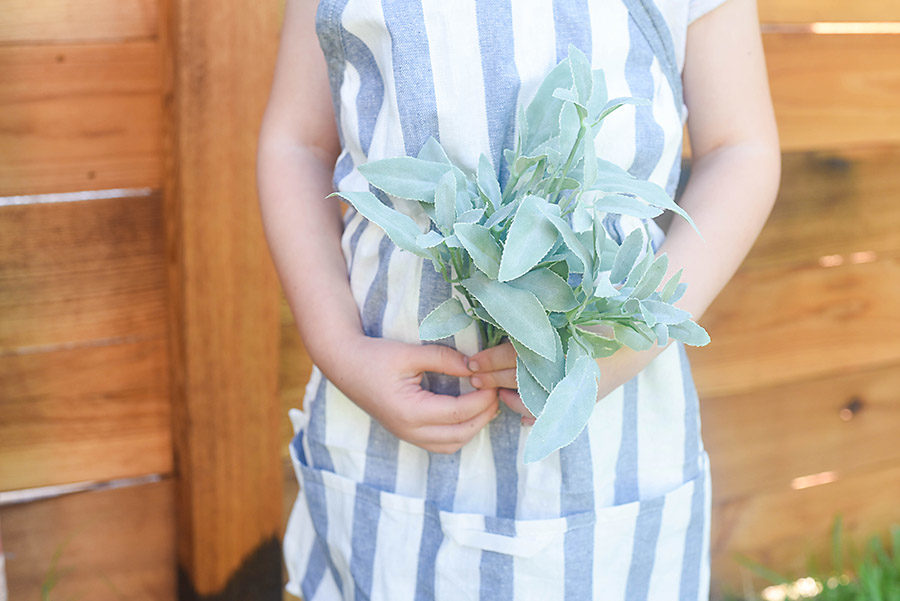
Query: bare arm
{"type": "Point", "coordinates": [298, 145]}
{"type": "Point", "coordinates": [735, 173]}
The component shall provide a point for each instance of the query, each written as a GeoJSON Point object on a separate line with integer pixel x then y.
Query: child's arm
{"type": "Point", "coordinates": [735, 173]}
{"type": "Point", "coordinates": [298, 145]}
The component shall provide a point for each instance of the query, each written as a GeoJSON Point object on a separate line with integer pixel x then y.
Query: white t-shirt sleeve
{"type": "Point", "coordinates": [698, 8]}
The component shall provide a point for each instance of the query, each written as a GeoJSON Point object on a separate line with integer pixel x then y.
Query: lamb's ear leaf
{"type": "Point", "coordinates": [405, 177]}
{"type": "Point", "coordinates": [445, 203]}
{"type": "Point", "coordinates": [487, 181]}
{"type": "Point", "coordinates": [516, 311]}
{"type": "Point", "coordinates": [429, 239]}
{"type": "Point", "coordinates": [599, 346]}
{"type": "Point", "coordinates": [668, 290]}
{"type": "Point", "coordinates": [689, 332]}
{"type": "Point", "coordinates": [615, 103]}
{"type": "Point", "coordinates": [399, 227]}
{"type": "Point", "coordinates": [529, 238]}
{"type": "Point", "coordinates": [626, 205]}
{"type": "Point", "coordinates": [566, 411]}
{"type": "Point", "coordinates": [626, 256]}
{"type": "Point", "coordinates": [533, 395]}
{"type": "Point", "coordinates": [552, 291]}
{"type": "Point", "coordinates": [598, 94]}
{"type": "Point", "coordinates": [547, 373]}
{"type": "Point", "coordinates": [631, 338]}
{"type": "Point", "coordinates": [433, 151]}
{"type": "Point", "coordinates": [664, 312]}
{"type": "Point", "coordinates": [481, 246]}
{"type": "Point", "coordinates": [542, 113]}
{"type": "Point", "coordinates": [446, 319]}
{"type": "Point", "coordinates": [581, 74]}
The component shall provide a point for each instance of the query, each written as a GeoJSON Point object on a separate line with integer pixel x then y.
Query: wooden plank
{"type": "Point", "coordinates": [763, 440]}
{"type": "Point", "coordinates": [833, 207]}
{"type": "Point", "coordinates": [78, 272]}
{"type": "Point", "coordinates": [832, 91]}
{"type": "Point", "coordinates": [37, 72]}
{"type": "Point", "coordinates": [806, 11]}
{"type": "Point", "coordinates": [62, 144]}
{"type": "Point", "coordinates": [87, 413]}
{"type": "Point", "coordinates": [224, 302]}
{"type": "Point", "coordinates": [77, 20]}
{"type": "Point", "coordinates": [782, 527]}
{"type": "Point", "coordinates": [774, 326]}
{"type": "Point", "coordinates": [114, 544]}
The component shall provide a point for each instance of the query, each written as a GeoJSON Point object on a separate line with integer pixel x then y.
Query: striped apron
{"type": "Point", "coordinates": [623, 511]}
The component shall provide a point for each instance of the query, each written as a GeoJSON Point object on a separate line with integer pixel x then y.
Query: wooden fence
{"type": "Point", "coordinates": [139, 340]}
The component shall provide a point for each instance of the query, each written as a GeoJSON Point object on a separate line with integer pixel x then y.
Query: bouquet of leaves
{"type": "Point", "coordinates": [532, 261]}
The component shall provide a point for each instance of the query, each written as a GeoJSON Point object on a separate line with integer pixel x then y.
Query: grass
{"type": "Point", "coordinates": [872, 574]}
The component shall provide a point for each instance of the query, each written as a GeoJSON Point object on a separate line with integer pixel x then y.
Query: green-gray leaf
{"type": "Point", "coordinates": [665, 313]}
{"type": "Point", "coordinates": [517, 311]}
{"type": "Point", "coordinates": [652, 277]}
{"type": "Point", "coordinates": [399, 227]}
{"type": "Point", "coordinates": [631, 338]}
{"type": "Point", "coordinates": [405, 177]}
{"type": "Point", "coordinates": [529, 238]}
{"type": "Point", "coordinates": [669, 289]}
{"type": "Point", "coordinates": [689, 333]}
{"type": "Point", "coordinates": [552, 291]}
{"type": "Point", "coordinates": [533, 395]}
{"type": "Point", "coordinates": [626, 205]}
{"type": "Point", "coordinates": [566, 412]}
{"type": "Point", "coordinates": [626, 255]}
{"type": "Point", "coordinates": [445, 203]}
{"type": "Point", "coordinates": [446, 319]}
{"type": "Point", "coordinates": [487, 181]}
{"type": "Point", "coordinates": [547, 373]}
{"type": "Point", "coordinates": [599, 346]}
{"type": "Point", "coordinates": [429, 239]}
{"type": "Point", "coordinates": [481, 246]}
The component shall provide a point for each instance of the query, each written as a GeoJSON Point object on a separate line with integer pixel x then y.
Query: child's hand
{"type": "Point", "coordinates": [495, 367]}
{"type": "Point", "coordinates": [384, 379]}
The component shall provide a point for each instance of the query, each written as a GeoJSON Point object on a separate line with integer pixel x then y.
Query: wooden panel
{"type": "Point", "coordinates": [782, 527]}
{"type": "Point", "coordinates": [77, 20]}
{"type": "Point", "coordinates": [803, 11]}
{"type": "Point", "coordinates": [761, 441]}
{"type": "Point", "coordinates": [114, 544]}
{"type": "Point", "coordinates": [224, 296]}
{"type": "Point", "coordinates": [81, 271]}
{"type": "Point", "coordinates": [830, 91]}
{"type": "Point", "coordinates": [818, 292]}
{"type": "Point", "coordinates": [71, 119]}
{"type": "Point", "coordinates": [88, 413]}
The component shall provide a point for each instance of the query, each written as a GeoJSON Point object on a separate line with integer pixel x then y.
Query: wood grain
{"type": "Point", "coordinates": [114, 544]}
{"type": "Point", "coordinates": [762, 440]}
{"type": "Point", "coordinates": [783, 527]}
{"type": "Point", "coordinates": [80, 117]}
{"type": "Point", "coordinates": [224, 292]}
{"type": "Point", "coordinates": [81, 272]}
{"type": "Point", "coordinates": [84, 413]}
{"type": "Point", "coordinates": [805, 11]}
{"type": "Point", "coordinates": [77, 20]}
{"type": "Point", "coordinates": [833, 91]}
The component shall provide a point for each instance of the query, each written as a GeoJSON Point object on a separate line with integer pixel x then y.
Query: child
{"type": "Point", "coordinates": [409, 455]}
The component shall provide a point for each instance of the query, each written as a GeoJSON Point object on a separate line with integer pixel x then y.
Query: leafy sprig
{"type": "Point", "coordinates": [532, 261]}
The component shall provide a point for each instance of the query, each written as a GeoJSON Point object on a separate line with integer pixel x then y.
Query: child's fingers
{"type": "Point", "coordinates": [504, 378]}
{"type": "Point", "coordinates": [502, 356]}
{"type": "Point", "coordinates": [439, 409]}
{"type": "Point", "coordinates": [435, 358]}
{"type": "Point", "coordinates": [449, 438]}
{"type": "Point", "coordinates": [512, 400]}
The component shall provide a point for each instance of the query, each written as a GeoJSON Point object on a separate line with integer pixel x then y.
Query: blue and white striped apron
{"type": "Point", "coordinates": [623, 511]}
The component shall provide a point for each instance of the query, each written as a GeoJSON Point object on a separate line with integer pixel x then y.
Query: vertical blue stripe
{"type": "Point", "coordinates": [572, 23]}
{"type": "Point", "coordinates": [496, 569]}
{"type": "Point", "coordinates": [413, 80]}
{"type": "Point", "coordinates": [371, 87]}
{"type": "Point", "coordinates": [626, 485]}
{"type": "Point", "coordinates": [315, 492]}
{"type": "Point", "coordinates": [691, 417]}
{"type": "Point", "coordinates": [576, 500]}
{"type": "Point", "coordinates": [643, 553]}
{"type": "Point", "coordinates": [649, 136]}
{"type": "Point", "coordinates": [501, 77]}
{"type": "Point", "coordinates": [689, 586]}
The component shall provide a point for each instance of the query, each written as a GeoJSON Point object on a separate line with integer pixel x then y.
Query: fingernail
{"type": "Point", "coordinates": [473, 366]}
{"type": "Point", "coordinates": [475, 381]}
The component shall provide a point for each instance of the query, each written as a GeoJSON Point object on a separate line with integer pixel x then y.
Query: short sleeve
{"type": "Point", "coordinates": [698, 8]}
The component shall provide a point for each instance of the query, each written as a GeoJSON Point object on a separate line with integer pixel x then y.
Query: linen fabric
{"type": "Point", "coordinates": [623, 511]}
